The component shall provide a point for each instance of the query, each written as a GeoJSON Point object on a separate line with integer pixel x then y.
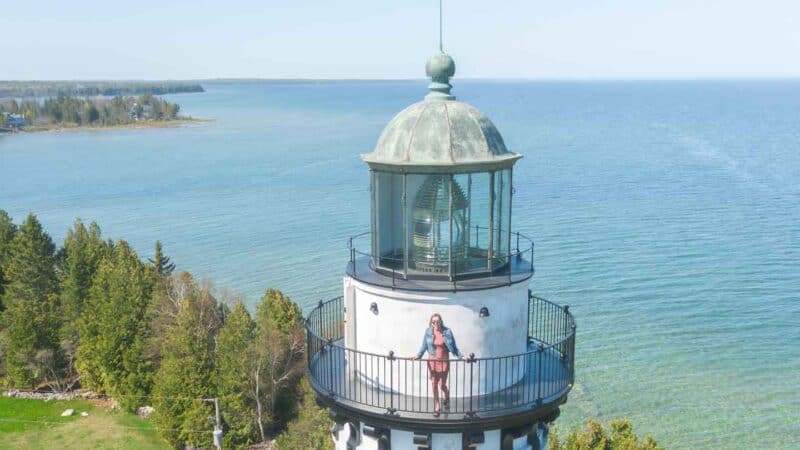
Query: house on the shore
{"type": "Point", "coordinates": [14, 120]}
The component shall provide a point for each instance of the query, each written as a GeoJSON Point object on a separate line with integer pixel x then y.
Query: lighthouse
{"type": "Point", "coordinates": [438, 341]}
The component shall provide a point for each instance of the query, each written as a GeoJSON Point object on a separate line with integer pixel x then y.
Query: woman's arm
{"type": "Point", "coordinates": [424, 347]}
{"type": "Point", "coordinates": [450, 340]}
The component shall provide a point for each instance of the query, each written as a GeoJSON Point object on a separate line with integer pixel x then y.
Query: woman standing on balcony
{"type": "Point", "coordinates": [439, 343]}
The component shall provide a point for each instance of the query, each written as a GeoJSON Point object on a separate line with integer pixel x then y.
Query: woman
{"type": "Point", "coordinates": [439, 343]}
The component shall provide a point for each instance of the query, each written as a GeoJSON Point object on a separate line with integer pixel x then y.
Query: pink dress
{"type": "Point", "coordinates": [442, 366]}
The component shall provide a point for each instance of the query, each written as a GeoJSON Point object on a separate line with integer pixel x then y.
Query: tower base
{"type": "Point", "coordinates": [354, 435]}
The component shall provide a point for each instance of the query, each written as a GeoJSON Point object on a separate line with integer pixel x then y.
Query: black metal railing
{"type": "Point", "coordinates": [478, 386]}
{"type": "Point", "coordinates": [514, 264]}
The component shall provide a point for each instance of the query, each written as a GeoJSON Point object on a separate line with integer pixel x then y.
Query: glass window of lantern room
{"type": "Point", "coordinates": [388, 220]}
{"type": "Point", "coordinates": [477, 186]}
{"type": "Point", "coordinates": [501, 217]}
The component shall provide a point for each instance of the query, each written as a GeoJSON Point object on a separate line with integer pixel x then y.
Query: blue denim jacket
{"type": "Point", "coordinates": [427, 343]}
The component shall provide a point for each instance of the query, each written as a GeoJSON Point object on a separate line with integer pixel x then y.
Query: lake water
{"type": "Point", "coordinates": [666, 214]}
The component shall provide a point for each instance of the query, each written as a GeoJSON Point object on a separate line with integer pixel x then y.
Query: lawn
{"type": "Point", "coordinates": [36, 424]}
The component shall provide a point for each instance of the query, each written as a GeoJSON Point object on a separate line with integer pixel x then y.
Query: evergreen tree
{"type": "Point", "coordinates": [594, 437]}
{"type": "Point", "coordinates": [7, 232]}
{"type": "Point", "coordinates": [30, 322]}
{"type": "Point", "coordinates": [83, 250]}
{"type": "Point", "coordinates": [186, 373]}
{"type": "Point", "coordinates": [161, 262]}
{"type": "Point", "coordinates": [234, 362]}
{"type": "Point", "coordinates": [278, 311]}
{"type": "Point", "coordinates": [114, 326]}
{"type": "Point", "coordinates": [30, 268]}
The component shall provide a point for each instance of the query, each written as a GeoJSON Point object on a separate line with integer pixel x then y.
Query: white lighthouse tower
{"type": "Point", "coordinates": [441, 249]}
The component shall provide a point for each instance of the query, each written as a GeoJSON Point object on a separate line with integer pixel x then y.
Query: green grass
{"type": "Point", "coordinates": [37, 424]}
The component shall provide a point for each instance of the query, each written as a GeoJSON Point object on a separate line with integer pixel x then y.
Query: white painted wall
{"type": "Point", "coordinates": [403, 440]}
{"type": "Point", "coordinates": [403, 317]}
{"type": "Point", "coordinates": [491, 441]}
{"type": "Point", "coordinates": [441, 441]}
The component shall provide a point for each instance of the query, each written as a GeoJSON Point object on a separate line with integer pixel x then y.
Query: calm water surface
{"type": "Point", "coordinates": [666, 214]}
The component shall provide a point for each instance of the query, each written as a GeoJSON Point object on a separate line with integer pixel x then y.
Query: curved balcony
{"type": "Point", "coordinates": [478, 270]}
{"type": "Point", "coordinates": [488, 391]}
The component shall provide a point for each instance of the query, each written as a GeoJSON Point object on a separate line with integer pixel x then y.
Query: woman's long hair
{"type": "Point", "coordinates": [441, 321]}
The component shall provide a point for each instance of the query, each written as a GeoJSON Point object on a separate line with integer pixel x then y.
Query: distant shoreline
{"type": "Point", "coordinates": [174, 123]}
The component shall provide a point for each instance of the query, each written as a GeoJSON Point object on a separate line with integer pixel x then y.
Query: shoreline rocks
{"type": "Point", "coordinates": [49, 396]}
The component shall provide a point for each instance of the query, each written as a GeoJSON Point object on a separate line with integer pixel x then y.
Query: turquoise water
{"type": "Point", "coordinates": [667, 214]}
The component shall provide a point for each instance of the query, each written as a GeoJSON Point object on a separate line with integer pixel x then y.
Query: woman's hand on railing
{"type": "Point", "coordinates": [414, 358]}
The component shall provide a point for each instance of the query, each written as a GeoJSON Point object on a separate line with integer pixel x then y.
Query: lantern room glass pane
{"type": "Point", "coordinates": [473, 259]}
{"type": "Point", "coordinates": [502, 207]}
{"type": "Point", "coordinates": [388, 220]}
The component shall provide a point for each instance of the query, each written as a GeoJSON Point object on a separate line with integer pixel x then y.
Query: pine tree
{"type": "Point", "coordinates": [83, 250]}
{"type": "Point", "coordinates": [114, 326]}
{"type": "Point", "coordinates": [186, 373]}
{"type": "Point", "coordinates": [30, 322]}
{"type": "Point", "coordinates": [7, 232]}
{"type": "Point", "coordinates": [278, 311]}
{"type": "Point", "coordinates": [234, 362]}
{"type": "Point", "coordinates": [161, 262]}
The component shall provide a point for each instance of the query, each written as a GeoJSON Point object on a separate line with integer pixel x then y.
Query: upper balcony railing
{"type": "Point", "coordinates": [475, 270]}
{"type": "Point", "coordinates": [480, 388]}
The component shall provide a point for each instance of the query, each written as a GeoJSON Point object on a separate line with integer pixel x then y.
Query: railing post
{"type": "Point", "coordinates": [353, 259]}
{"type": "Point", "coordinates": [331, 391]}
{"type": "Point", "coordinates": [471, 362]}
{"type": "Point", "coordinates": [566, 327]}
{"type": "Point", "coordinates": [391, 409]}
{"type": "Point", "coordinates": [531, 257]}
{"type": "Point", "coordinates": [539, 351]}
{"type": "Point", "coordinates": [509, 268]}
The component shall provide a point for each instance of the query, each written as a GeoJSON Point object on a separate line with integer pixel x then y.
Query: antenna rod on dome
{"type": "Point", "coordinates": [440, 27]}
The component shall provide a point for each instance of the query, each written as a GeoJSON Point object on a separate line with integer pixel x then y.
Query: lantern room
{"type": "Point", "coordinates": [441, 188]}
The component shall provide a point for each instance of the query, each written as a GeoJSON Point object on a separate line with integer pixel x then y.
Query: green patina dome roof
{"type": "Point", "coordinates": [440, 133]}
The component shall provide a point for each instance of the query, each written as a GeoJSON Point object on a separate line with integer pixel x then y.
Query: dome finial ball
{"type": "Point", "coordinates": [440, 67]}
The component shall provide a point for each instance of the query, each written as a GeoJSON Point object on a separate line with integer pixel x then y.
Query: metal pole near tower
{"type": "Point", "coordinates": [217, 433]}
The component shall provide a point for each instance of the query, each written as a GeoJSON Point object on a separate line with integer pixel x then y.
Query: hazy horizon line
{"type": "Point", "coordinates": [455, 80]}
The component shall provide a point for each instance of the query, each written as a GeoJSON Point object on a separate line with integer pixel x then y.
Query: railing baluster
{"type": "Point", "coordinates": [391, 382]}
{"type": "Point", "coordinates": [471, 361]}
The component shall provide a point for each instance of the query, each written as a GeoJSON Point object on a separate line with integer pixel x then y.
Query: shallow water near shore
{"type": "Point", "coordinates": [666, 214]}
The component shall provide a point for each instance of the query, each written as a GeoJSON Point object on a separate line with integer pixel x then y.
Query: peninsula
{"type": "Point", "coordinates": [41, 106]}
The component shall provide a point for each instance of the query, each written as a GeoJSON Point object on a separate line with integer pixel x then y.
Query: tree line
{"type": "Point", "coordinates": [92, 314]}
{"type": "Point", "coordinates": [24, 89]}
{"type": "Point", "coordinates": [95, 111]}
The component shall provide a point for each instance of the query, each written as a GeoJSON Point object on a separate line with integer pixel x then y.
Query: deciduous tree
{"type": "Point", "coordinates": [277, 360]}
{"type": "Point", "coordinates": [186, 373]}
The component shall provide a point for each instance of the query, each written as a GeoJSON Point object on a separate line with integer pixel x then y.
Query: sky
{"type": "Point", "coordinates": [390, 39]}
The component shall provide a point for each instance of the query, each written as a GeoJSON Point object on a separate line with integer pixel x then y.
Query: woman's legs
{"type": "Point", "coordinates": [435, 389]}
{"type": "Point", "coordinates": [445, 390]}
{"type": "Point", "coordinates": [439, 381]}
